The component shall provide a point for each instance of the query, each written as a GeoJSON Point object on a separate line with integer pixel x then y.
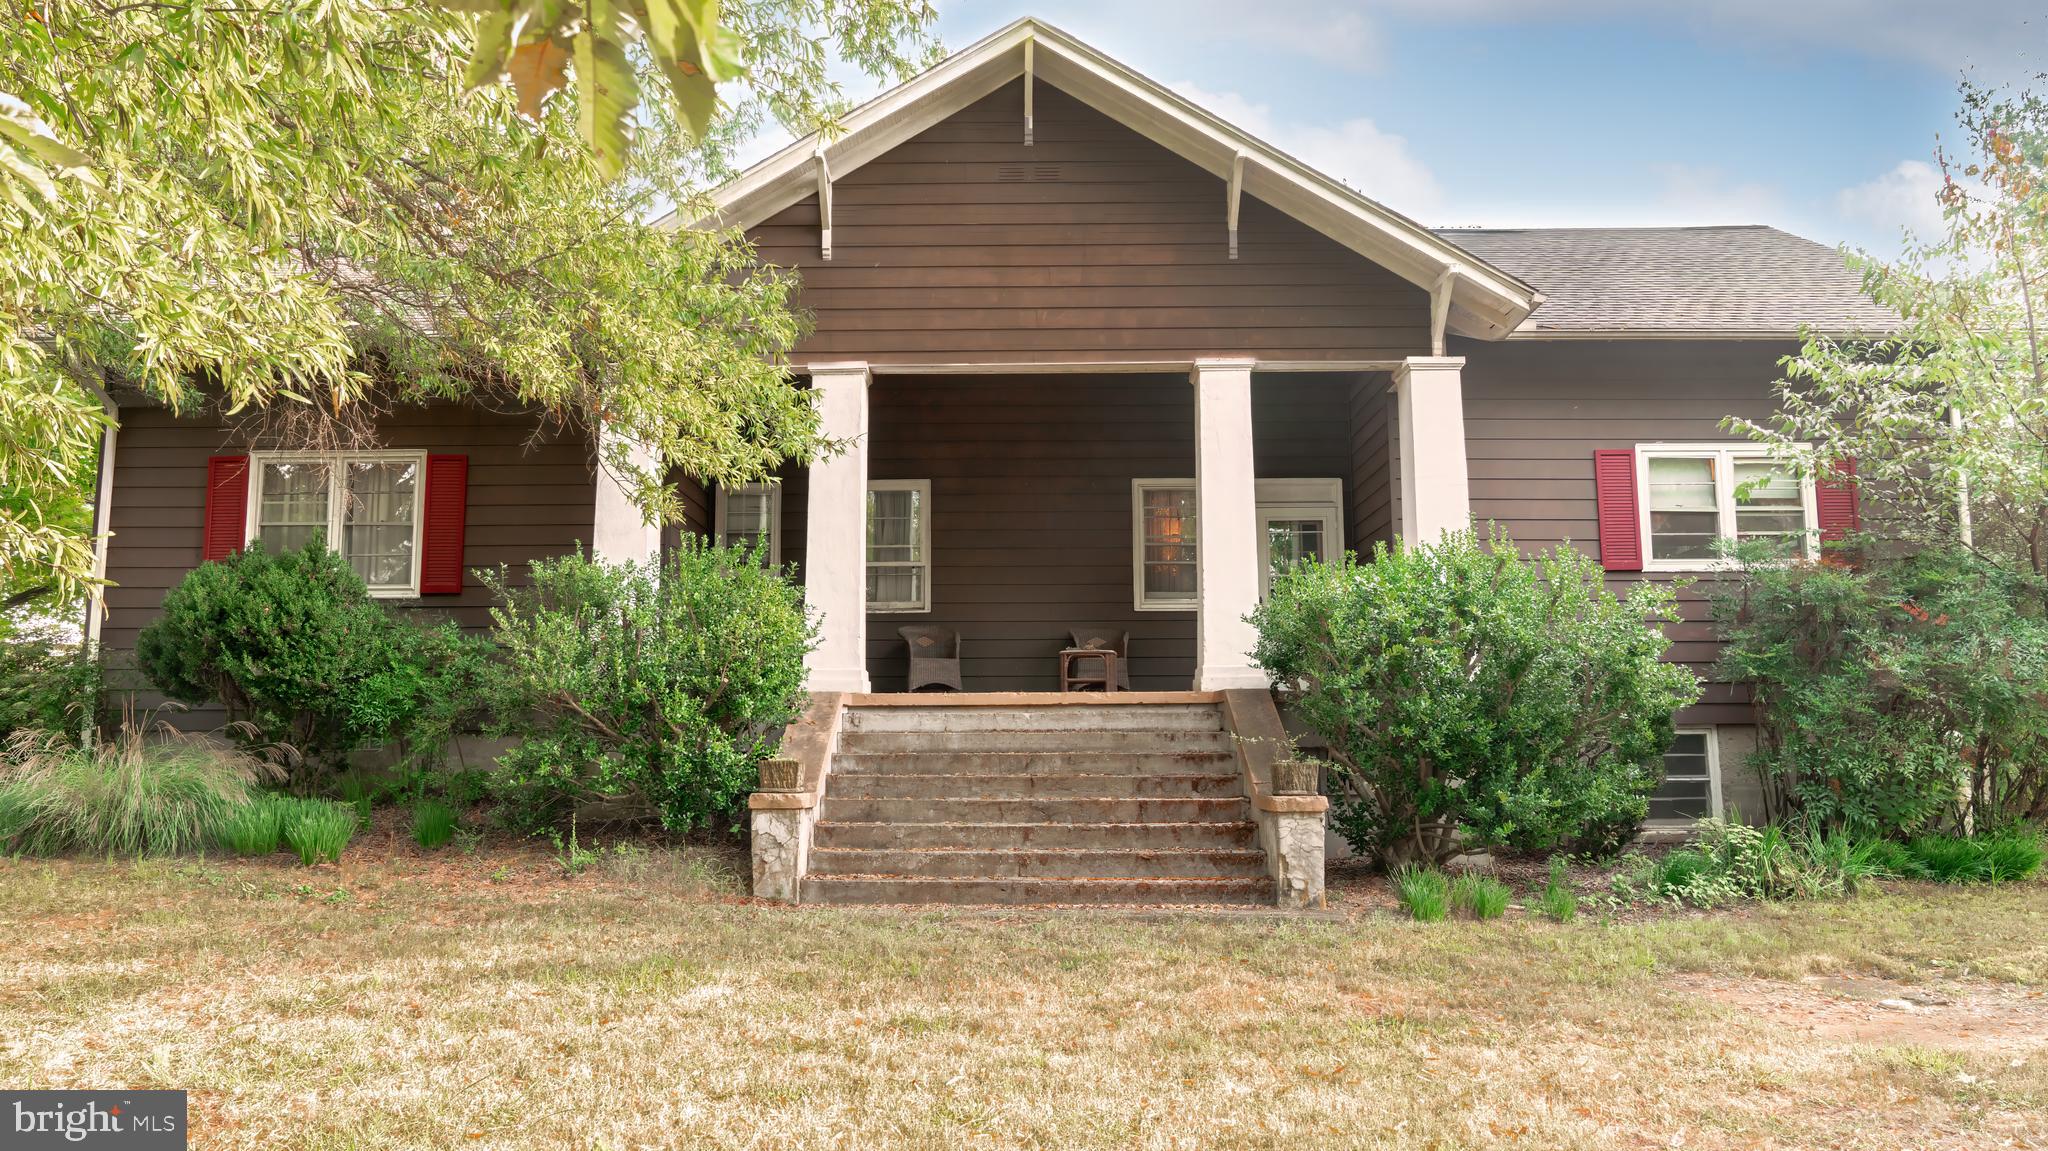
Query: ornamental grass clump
{"type": "Point", "coordinates": [1557, 901]}
{"type": "Point", "coordinates": [1480, 896]}
{"type": "Point", "coordinates": [433, 823]}
{"type": "Point", "coordinates": [257, 827]}
{"type": "Point", "coordinates": [1424, 892]}
{"type": "Point", "coordinates": [319, 830]}
{"type": "Point", "coordinates": [140, 793]}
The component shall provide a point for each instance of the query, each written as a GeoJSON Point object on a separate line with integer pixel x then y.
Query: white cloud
{"type": "Point", "coordinates": [1704, 195]}
{"type": "Point", "coordinates": [1897, 201]}
{"type": "Point", "coordinates": [1355, 150]}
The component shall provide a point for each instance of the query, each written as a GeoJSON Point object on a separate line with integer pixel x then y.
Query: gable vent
{"type": "Point", "coordinates": [1027, 173]}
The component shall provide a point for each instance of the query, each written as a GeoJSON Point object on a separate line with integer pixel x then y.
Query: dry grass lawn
{"type": "Point", "coordinates": [488, 1000]}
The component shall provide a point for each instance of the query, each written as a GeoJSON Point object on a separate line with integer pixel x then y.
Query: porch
{"type": "Point", "coordinates": [1011, 508]}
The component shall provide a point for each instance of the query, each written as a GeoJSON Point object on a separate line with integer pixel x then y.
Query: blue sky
{"type": "Point", "coordinates": [1818, 116]}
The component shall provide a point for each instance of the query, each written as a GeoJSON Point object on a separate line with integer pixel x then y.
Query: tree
{"type": "Point", "coordinates": [1950, 413]}
{"type": "Point", "coordinates": [291, 209]}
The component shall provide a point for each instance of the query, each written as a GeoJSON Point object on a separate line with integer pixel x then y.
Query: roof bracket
{"type": "Point", "coordinates": [1027, 92]}
{"type": "Point", "coordinates": [1236, 194]}
{"type": "Point", "coordinates": [1440, 307]}
{"type": "Point", "coordinates": [824, 203]}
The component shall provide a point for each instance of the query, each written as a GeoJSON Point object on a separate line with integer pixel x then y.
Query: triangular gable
{"type": "Point", "coordinates": [1473, 298]}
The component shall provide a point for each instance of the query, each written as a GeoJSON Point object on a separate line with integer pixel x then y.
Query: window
{"type": "Point", "coordinates": [1163, 532]}
{"type": "Point", "coordinates": [366, 506]}
{"type": "Point", "coordinates": [899, 546]}
{"type": "Point", "coordinates": [1298, 520]}
{"type": "Point", "coordinates": [1692, 780]}
{"type": "Point", "coordinates": [750, 515]}
{"type": "Point", "coordinates": [1695, 495]}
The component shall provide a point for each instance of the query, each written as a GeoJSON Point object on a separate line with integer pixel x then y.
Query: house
{"type": "Point", "coordinates": [1104, 360]}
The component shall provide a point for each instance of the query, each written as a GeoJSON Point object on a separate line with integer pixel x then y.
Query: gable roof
{"type": "Point", "coordinates": [1474, 297]}
{"type": "Point", "coordinates": [1712, 282]}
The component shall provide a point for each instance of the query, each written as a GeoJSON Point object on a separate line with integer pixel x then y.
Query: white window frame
{"type": "Point", "coordinates": [337, 502]}
{"type": "Point", "coordinates": [773, 490]}
{"type": "Point", "coordinates": [924, 490]}
{"type": "Point", "coordinates": [1725, 454]}
{"type": "Point", "coordinates": [1138, 599]}
{"type": "Point", "coordinates": [1299, 500]}
{"type": "Point", "coordinates": [1713, 741]}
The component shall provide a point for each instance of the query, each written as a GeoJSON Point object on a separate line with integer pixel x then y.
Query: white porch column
{"type": "Point", "coordinates": [836, 546]}
{"type": "Point", "coordinates": [619, 531]}
{"type": "Point", "coordinates": [1436, 495]}
{"type": "Point", "coordinates": [1226, 522]}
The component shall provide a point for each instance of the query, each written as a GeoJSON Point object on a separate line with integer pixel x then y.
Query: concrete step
{"type": "Point", "coordinates": [1034, 762]}
{"type": "Point", "coordinates": [1010, 836]}
{"type": "Point", "coordinates": [835, 809]}
{"type": "Point", "coordinates": [1063, 863]}
{"type": "Point", "coordinates": [1064, 717]}
{"type": "Point", "coordinates": [986, 742]}
{"type": "Point", "coordinates": [843, 889]}
{"type": "Point", "coordinates": [887, 785]}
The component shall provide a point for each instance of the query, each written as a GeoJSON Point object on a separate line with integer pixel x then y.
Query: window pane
{"type": "Point", "coordinates": [895, 523]}
{"type": "Point", "coordinates": [1169, 543]}
{"type": "Point", "coordinates": [896, 547]}
{"type": "Point", "coordinates": [377, 526]}
{"type": "Point", "coordinates": [1684, 520]}
{"type": "Point", "coordinates": [1290, 541]}
{"type": "Point", "coordinates": [294, 506]}
{"type": "Point", "coordinates": [1687, 790]}
{"type": "Point", "coordinates": [1769, 503]}
{"type": "Point", "coordinates": [750, 518]}
{"type": "Point", "coordinates": [895, 585]}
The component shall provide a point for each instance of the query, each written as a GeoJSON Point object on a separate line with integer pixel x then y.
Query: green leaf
{"type": "Point", "coordinates": [607, 90]}
{"type": "Point", "coordinates": [493, 44]}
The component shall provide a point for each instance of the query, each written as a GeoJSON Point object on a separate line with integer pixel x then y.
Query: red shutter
{"type": "Point", "coordinates": [447, 505]}
{"type": "Point", "coordinates": [1835, 501]}
{"type": "Point", "coordinates": [227, 507]}
{"type": "Point", "coordinates": [1614, 486]}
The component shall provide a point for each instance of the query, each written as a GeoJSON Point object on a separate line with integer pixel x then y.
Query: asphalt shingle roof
{"type": "Point", "coordinates": [1715, 281]}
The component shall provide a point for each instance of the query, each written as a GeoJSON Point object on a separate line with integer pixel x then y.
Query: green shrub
{"type": "Point", "coordinates": [1480, 896]}
{"type": "Point", "coordinates": [433, 823]}
{"type": "Point", "coordinates": [1557, 900]}
{"type": "Point", "coordinates": [665, 682]}
{"type": "Point", "coordinates": [1424, 891]}
{"type": "Point", "coordinates": [47, 684]}
{"type": "Point", "coordinates": [319, 829]}
{"type": "Point", "coordinates": [1895, 860]}
{"type": "Point", "coordinates": [1468, 696]}
{"type": "Point", "coordinates": [290, 642]}
{"type": "Point", "coordinates": [257, 827]}
{"type": "Point", "coordinates": [135, 794]}
{"type": "Point", "coordinates": [1884, 690]}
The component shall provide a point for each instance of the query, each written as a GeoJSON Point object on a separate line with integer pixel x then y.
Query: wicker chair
{"type": "Point", "coordinates": [1110, 639]}
{"type": "Point", "coordinates": [934, 656]}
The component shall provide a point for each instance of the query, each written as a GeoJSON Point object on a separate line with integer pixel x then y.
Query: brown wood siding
{"type": "Point", "coordinates": [1031, 506]}
{"type": "Point", "coordinates": [527, 500]}
{"type": "Point", "coordinates": [1374, 478]}
{"type": "Point", "coordinates": [1031, 516]}
{"type": "Point", "coordinates": [1535, 412]}
{"type": "Point", "coordinates": [963, 245]}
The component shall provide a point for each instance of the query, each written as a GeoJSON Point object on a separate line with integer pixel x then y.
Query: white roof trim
{"type": "Point", "coordinates": [1487, 303]}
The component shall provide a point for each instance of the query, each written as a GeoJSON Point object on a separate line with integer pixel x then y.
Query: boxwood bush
{"type": "Point", "coordinates": [292, 644]}
{"type": "Point", "coordinates": [1469, 696]}
{"type": "Point", "coordinates": [659, 682]}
